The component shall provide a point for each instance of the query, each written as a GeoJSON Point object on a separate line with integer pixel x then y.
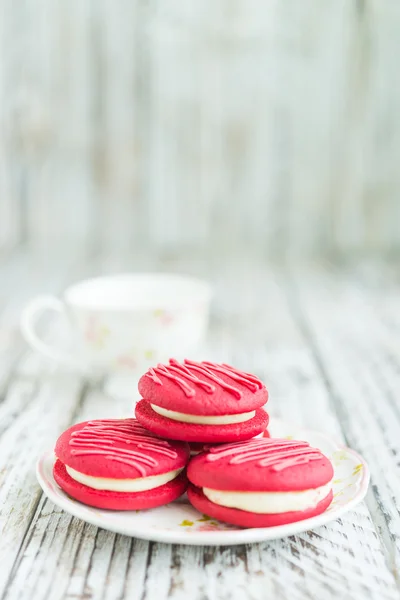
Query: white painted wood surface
{"type": "Point", "coordinates": [327, 345]}
{"type": "Point", "coordinates": [175, 124]}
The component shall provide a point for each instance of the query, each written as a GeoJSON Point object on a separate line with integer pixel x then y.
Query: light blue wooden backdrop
{"type": "Point", "coordinates": [175, 124]}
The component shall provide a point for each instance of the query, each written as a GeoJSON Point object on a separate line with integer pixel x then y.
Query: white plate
{"type": "Point", "coordinates": [180, 523]}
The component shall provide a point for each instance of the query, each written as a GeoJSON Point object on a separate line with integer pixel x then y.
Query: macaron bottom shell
{"type": "Point", "coordinates": [190, 432]}
{"type": "Point", "coordinates": [242, 518]}
{"type": "Point", "coordinates": [119, 500]}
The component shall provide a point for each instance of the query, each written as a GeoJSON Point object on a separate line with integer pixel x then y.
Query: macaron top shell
{"type": "Point", "coordinates": [120, 449]}
{"type": "Point", "coordinates": [264, 464]}
{"type": "Point", "coordinates": [202, 388]}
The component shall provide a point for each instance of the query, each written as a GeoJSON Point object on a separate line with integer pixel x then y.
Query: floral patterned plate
{"type": "Point", "coordinates": [180, 523]}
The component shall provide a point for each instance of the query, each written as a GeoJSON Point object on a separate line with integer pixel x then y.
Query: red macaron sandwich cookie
{"type": "Point", "coordinates": [261, 483]}
{"type": "Point", "coordinates": [116, 464]}
{"type": "Point", "coordinates": [202, 402]}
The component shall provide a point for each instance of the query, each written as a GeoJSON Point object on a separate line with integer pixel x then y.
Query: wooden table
{"type": "Point", "coordinates": [327, 344]}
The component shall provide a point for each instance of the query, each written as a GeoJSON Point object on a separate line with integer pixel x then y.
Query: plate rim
{"type": "Point", "coordinates": [209, 538]}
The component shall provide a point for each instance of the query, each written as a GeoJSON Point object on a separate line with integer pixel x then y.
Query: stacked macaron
{"type": "Point", "coordinates": [215, 413]}
{"type": "Point", "coordinates": [202, 402]}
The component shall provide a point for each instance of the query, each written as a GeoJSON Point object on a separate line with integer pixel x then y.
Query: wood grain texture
{"type": "Point", "coordinates": [273, 125]}
{"type": "Point", "coordinates": [310, 337]}
{"type": "Point", "coordinates": [359, 362]}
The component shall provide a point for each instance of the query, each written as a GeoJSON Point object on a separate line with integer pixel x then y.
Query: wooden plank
{"type": "Point", "coordinates": [117, 152]}
{"type": "Point", "coordinates": [12, 171]}
{"type": "Point", "coordinates": [49, 410]}
{"type": "Point", "coordinates": [24, 401]}
{"type": "Point", "coordinates": [199, 117]}
{"type": "Point", "coordinates": [353, 357]}
{"type": "Point", "coordinates": [344, 559]}
{"type": "Point", "coordinates": [45, 111]}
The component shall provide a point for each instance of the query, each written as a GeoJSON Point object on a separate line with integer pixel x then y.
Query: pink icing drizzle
{"type": "Point", "coordinates": [99, 438]}
{"type": "Point", "coordinates": [185, 374]}
{"type": "Point", "coordinates": [278, 454]}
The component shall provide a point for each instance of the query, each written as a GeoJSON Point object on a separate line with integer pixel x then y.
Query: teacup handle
{"type": "Point", "coordinates": [29, 319]}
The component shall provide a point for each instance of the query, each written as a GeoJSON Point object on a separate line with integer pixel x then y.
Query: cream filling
{"type": "Point", "coordinates": [195, 452]}
{"type": "Point", "coordinates": [141, 484]}
{"type": "Point", "coordinates": [202, 419]}
{"type": "Point", "coordinates": [269, 502]}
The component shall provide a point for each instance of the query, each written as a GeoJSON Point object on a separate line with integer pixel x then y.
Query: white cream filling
{"type": "Point", "coordinates": [203, 419]}
{"type": "Point", "coordinates": [141, 484]}
{"type": "Point", "coordinates": [269, 502]}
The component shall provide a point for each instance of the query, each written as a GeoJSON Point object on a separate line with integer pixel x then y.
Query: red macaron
{"type": "Point", "coordinates": [202, 402]}
{"type": "Point", "coordinates": [261, 483]}
{"type": "Point", "coordinates": [117, 464]}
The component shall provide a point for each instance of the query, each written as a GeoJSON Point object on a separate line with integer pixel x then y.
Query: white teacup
{"type": "Point", "coordinates": [124, 323]}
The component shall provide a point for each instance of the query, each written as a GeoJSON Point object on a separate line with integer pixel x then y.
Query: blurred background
{"type": "Point", "coordinates": [179, 127]}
